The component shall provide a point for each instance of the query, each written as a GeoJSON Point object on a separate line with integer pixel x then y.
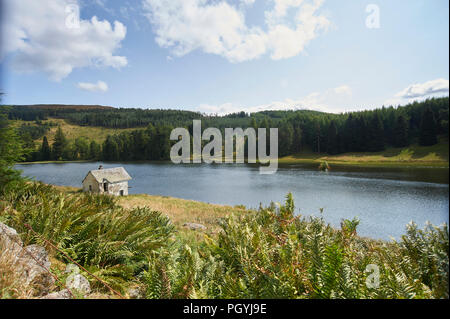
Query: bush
{"type": "Point", "coordinates": [91, 229]}
{"type": "Point", "coordinates": [275, 254]}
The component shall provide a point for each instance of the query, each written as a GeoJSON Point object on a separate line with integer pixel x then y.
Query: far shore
{"type": "Point", "coordinates": [292, 160]}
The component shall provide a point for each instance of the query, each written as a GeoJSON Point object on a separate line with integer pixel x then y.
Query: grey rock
{"type": "Point", "coordinates": [63, 294]}
{"type": "Point", "coordinates": [78, 283]}
{"type": "Point", "coordinates": [33, 264]}
{"type": "Point", "coordinates": [10, 240]}
{"type": "Point", "coordinates": [7, 234]}
{"type": "Point", "coordinates": [72, 269]}
{"type": "Point", "coordinates": [135, 293]}
{"type": "Point", "coordinates": [194, 226]}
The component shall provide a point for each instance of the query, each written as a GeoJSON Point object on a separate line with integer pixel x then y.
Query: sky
{"type": "Point", "coordinates": [224, 56]}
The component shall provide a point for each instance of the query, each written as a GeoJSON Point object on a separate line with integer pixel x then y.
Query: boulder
{"type": "Point", "coordinates": [194, 226]}
{"type": "Point", "coordinates": [10, 240]}
{"type": "Point", "coordinates": [77, 282]}
{"type": "Point", "coordinates": [33, 264]}
{"type": "Point", "coordinates": [30, 263]}
{"type": "Point", "coordinates": [72, 269]}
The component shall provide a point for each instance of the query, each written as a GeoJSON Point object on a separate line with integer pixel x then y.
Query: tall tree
{"type": "Point", "coordinates": [317, 135]}
{"type": "Point", "coordinates": [401, 132]}
{"type": "Point", "coordinates": [361, 135]}
{"type": "Point", "coordinates": [111, 149]}
{"type": "Point", "coordinates": [286, 137]}
{"type": "Point", "coordinates": [428, 135]}
{"type": "Point", "coordinates": [28, 144]}
{"type": "Point", "coordinates": [59, 145]}
{"type": "Point", "coordinates": [349, 136]}
{"type": "Point", "coordinates": [11, 151]}
{"type": "Point", "coordinates": [94, 151]}
{"type": "Point", "coordinates": [45, 152]}
{"type": "Point", "coordinates": [297, 140]}
{"type": "Point", "coordinates": [332, 143]}
{"type": "Point", "coordinates": [375, 134]}
{"type": "Point", "coordinates": [81, 148]}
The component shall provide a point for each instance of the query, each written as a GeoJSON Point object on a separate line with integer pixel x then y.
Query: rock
{"type": "Point", "coordinates": [33, 263]}
{"type": "Point", "coordinates": [10, 240]}
{"type": "Point", "coordinates": [194, 226]}
{"type": "Point", "coordinates": [135, 293]}
{"type": "Point", "coordinates": [78, 283]}
{"type": "Point", "coordinates": [8, 234]}
{"type": "Point", "coordinates": [63, 294]}
{"type": "Point", "coordinates": [72, 269]}
{"type": "Point", "coordinates": [30, 263]}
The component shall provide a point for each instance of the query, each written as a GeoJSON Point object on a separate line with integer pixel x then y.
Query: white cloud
{"type": "Point", "coordinates": [424, 89]}
{"type": "Point", "coordinates": [312, 101]}
{"type": "Point", "coordinates": [315, 101]}
{"type": "Point", "coordinates": [343, 90]}
{"type": "Point", "coordinates": [100, 86]}
{"type": "Point", "coordinates": [248, 2]}
{"type": "Point", "coordinates": [38, 36]}
{"type": "Point", "coordinates": [420, 91]}
{"type": "Point", "coordinates": [220, 28]}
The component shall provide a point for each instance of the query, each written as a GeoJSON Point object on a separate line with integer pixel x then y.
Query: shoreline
{"type": "Point", "coordinates": [289, 160]}
{"type": "Point", "coordinates": [179, 210]}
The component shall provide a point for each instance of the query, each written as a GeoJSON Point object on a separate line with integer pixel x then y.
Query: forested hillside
{"type": "Point", "coordinates": [366, 131]}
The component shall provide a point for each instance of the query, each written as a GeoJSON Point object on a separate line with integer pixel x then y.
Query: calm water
{"type": "Point", "coordinates": [385, 200]}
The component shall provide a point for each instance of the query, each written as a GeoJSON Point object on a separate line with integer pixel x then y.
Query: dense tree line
{"type": "Point", "coordinates": [365, 131]}
{"type": "Point", "coordinates": [105, 117]}
{"type": "Point", "coordinates": [151, 143]}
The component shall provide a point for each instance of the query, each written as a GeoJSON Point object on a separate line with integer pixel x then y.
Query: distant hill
{"type": "Point", "coordinates": [64, 107]}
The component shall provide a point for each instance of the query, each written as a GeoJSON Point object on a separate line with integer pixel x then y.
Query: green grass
{"type": "Point", "coordinates": [414, 156]}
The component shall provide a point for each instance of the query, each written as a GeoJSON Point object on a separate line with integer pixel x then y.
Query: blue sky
{"type": "Point", "coordinates": [225, 55]}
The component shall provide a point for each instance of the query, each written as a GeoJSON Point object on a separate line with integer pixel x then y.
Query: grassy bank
{"type": "Point", "coordinates": [180, 211]}
{"type": "Point", "coordinates": [413, 156]}
{"type": "Point", "coordinates": [435, 156]}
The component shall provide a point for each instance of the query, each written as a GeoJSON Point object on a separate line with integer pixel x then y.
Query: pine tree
{"type": "Point", "coordinates": [11, 151]}
{"type": "Point", "coordinates": [45, 152]}
{"type": "Point", "coordinates": [286, 138]}
{"type": "Point", "coordinates": [401, 132]}
{"type": "Point", "coordinates": [111, 150]}
{"type": "Point", "coordinates": [59, 145]}
{"type": "Point", "coordinates": [362, 135]}
{"type": "Point", "coordinates": [349, 136]}
{"type": "Point", "coordinates": [81, 148]}
{"type": "Point", "coordinates": [297, 141]}
{"type": "Point", "coordinates": [28, 144]}
{"type": "Point", "coordinates": [317, 135]}
{"type": "Point", "coordinates": [375, 134]}
{"type": "Point", "coordinates": [332, 145]}
{"type": "Point", "coordinates": [94, 151]}
{"type": "Point", "coordinates": [428, 135]}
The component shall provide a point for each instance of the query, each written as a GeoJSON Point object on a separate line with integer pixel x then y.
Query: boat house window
{"type": "Point", "coordinates": [105, 187]}
{"type": "Point", "coordinates": [90, 188]}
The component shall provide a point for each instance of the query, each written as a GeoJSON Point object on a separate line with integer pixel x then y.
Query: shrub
{"type": "Point", "coordinates": [91, 229]}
